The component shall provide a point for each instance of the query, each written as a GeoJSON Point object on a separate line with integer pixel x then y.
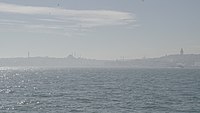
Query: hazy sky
{"type": "Point", "coordinates": [101, 29]}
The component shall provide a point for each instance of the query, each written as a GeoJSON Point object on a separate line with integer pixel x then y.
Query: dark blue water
{"type": "Point", "coordinates": [100, 91]}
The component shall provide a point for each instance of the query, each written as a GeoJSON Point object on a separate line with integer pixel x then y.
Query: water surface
{"type": "Point", "coordinates": [99, 90]}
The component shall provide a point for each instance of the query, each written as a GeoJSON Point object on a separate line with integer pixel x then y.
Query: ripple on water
{"type": "Point", "coordinates": [99, 91]}
{"type": "Point", "coordinates": [6, 91]}
{"type": "Point", "coordinates": [27, 105]}
{"type": "Point", "coordinates": [28, 102]}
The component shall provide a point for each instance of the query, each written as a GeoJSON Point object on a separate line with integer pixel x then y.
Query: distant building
{"type": "Point", "coordinates": [71, 56]}
{"type": "Point", "coordinates": [181, 52]}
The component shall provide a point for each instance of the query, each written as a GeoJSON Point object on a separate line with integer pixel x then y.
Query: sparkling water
{"type": "Point", "coordinates": [98, 90]}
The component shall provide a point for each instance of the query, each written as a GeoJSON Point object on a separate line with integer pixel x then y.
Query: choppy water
{"type": "Point", "coordinates": [100, 91]}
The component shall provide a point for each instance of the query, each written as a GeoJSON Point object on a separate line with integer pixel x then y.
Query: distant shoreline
{"type": "Point", "coordinates": [170, 61]}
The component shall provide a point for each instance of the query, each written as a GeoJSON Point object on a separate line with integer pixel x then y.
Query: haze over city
{"type": "Point", "coordinates": [99, 29]}
{"type": "Point", "coordinates": [99, 56]}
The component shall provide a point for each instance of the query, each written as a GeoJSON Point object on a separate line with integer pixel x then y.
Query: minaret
{"type": "Point", "coordinates": [28, 54]}
{"type": "Point", "coordinates": [181, 52]}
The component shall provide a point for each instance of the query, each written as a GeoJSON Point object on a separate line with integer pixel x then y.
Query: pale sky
{"type": "Point", "coordinates": [99, 29]}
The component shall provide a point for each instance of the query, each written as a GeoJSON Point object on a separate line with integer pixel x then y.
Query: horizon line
{"type": "Point", "coordinates": [75, 57]}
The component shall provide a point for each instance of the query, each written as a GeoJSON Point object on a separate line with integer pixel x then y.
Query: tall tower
{"type": "Point", "coordinates": [28, 54]}
{"type": "Point", "coordinates": [181, 52]}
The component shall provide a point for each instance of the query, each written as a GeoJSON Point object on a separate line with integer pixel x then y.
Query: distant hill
{"type": "Point", "coordinates": [171, 61]}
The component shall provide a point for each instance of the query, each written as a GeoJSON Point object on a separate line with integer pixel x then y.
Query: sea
{"type": "Point", "coordinates": [99, 90]}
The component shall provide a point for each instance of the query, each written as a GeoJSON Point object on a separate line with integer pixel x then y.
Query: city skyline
{"type": "Point", "coordinates": [99, 29]}
{"type": "Point", "coordinates": [79, 56]}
